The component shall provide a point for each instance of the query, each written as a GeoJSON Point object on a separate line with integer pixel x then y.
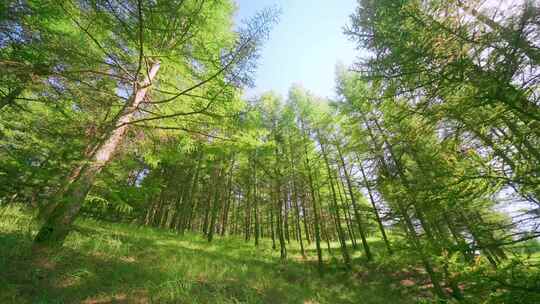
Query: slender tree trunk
{"type": "Point", "coordinates": [217, 182]}
{"type": "Point", "coordinates": [237, 214]}
{"type": "Point", "coordinates": [272, 234]}
{"type": "Point", "coordinates": [58, 223]}
{"type": "Point", "coordinates": [361, 228]}
{"type": "Point", "coordinates": [231, 222]}
{"type": "Point", "coordinates": [377, 216]}
{"type": "Point", "coordinates": [305, 217]}
{"type": "Point", "coordinates": [279, 205]}
{"type": "Point", "coordinates": [286, 216]}
{"type": "Point", "coordinates": [255, 205]}
{"type": "Point", "coordinates": [207, 210]}
{"type": "Point", "coordinates": [190, 204]}
{"type": "Point", "coordinates": [151, 211]}
{"type": "Point", "coordinates": [316, 214]}
{"type": "Point", "coordinates": [341, 235]}
{"type": "Point", "coordinates": [228, 201]}
{"type": "Point", "coordinates": [247, 212]}
{"type": "Point", "coordinates": [180, 202]}
{"type": "Point", "coordinates": [298, 229]}
{"type": "Point", "coordinates": [413, 236]}
{"type": "Point", "coordinates": [435, 277]}
{"type": "Point", "coordinates": [281, 237]}
{"type": "Point", "coordinates": [346, 213]}
{"type": "Point", "coordinates": [326, 235]}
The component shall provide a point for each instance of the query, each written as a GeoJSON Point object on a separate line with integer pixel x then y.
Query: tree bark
{"type": "Point", "coordinates": [255, 205]}
{"type": "Point", "coordinates": [377, 216]}
{"type": "Point", "coordinates": [58, 223]}
{"type": "Point", "coordinates": [355, 207]}
{"type": "Point", "coordinates": [316, 214]}
{"type": "Point", "coordinates": [341, 234]}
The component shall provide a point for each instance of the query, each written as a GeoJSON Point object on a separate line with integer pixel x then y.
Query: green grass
{"type": "Point", "coordinates": [120, 263]}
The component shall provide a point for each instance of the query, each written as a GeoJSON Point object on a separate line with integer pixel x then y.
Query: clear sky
{"type": "Point", "coordinates": [305, 46]}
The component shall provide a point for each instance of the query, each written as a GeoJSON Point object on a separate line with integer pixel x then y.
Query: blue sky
{"type": "Point", "coordinates": [304, 47]}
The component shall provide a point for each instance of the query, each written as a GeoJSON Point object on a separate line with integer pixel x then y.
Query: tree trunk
{"type": "Point", "coordinates": [316, 214]}
{"type": "Point", "coordinates": [272, 234]}
{"type": "Point", "coordinates": [228, 200]}
{"type": "Point", "coordinates": [341, 235]}
{"type": "Point", "coordinates": [279, 230]}
{"type": "Point", "coordinates": [58, 223]}
{"type": "Point", "coordinates": [305, 217]}
{"type": "Point", "coordinates": [297, 210]}
{"type": "Point", "coordinates": [377, 216]}
{"type": "Point", "coordinates": [355, 206]}
{"type": "Point", "coordinates": [207, 210]}
{"type": "Point", "coordinates": [413, 236]}
{"type": "Point", "coordinates": [255, 205]}
{"type": "Point", "coordinates": [247, 218]}
{"type": "Point", "coordinates": [346, 213]}
{"type": "Point", "coordinates": [286, 216]}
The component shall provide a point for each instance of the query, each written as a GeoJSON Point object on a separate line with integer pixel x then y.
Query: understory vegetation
{"type": "Point", "coordinates": [133, 167]}
{"type": "Point", "coordinates": [106, 262]}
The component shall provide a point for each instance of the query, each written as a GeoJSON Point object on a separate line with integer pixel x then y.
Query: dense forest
{"type": "Point", "coordinates": [133, 114]}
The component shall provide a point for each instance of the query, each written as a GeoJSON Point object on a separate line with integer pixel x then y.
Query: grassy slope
{"type": "Point", "coordinates": [117, 263]}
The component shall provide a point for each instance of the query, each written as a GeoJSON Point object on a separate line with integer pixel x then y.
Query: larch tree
{"type": "Point", "coordinates": [157, 56]}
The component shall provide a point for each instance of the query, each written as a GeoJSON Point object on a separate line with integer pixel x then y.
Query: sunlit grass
{"type": "Point", "coordinates": [104, 263]}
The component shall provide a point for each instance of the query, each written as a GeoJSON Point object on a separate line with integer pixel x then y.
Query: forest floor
{"type": "Point", "coordinates": [120, 263]}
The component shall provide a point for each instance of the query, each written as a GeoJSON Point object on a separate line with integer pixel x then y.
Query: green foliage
{"type": "Point", "coordinates": [435, 124]}
{"type": "Point", "coordinates": [98, 207]}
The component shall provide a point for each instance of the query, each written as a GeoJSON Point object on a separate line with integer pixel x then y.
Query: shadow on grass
{"type": "Point", "coordinates": [76, 277]}
{"type": "Point", "coordinates": [160, 267]}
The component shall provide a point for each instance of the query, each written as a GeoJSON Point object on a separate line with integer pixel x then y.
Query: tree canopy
{"type": "Point", "coordinates": [135, 111]}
